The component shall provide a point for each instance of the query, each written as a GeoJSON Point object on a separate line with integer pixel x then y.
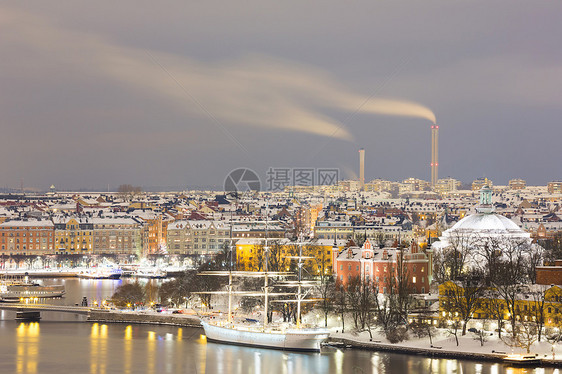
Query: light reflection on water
{"type": "Point", "coordinates": [63, 343]}
{"type": "Point", "coordinates": [27, 347]}
{"type": "Point", "coordinates": [60, 347]}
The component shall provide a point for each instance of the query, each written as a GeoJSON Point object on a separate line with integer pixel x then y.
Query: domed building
{"type": "Point", "coordinates": [485, 224]}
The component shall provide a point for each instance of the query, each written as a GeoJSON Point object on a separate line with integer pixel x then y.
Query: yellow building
{"type": "Point", "coordinates": [249, 255]}
{"type": "Point", "coordinates": [528, 306]}
{"type": "Point", "coordinates": [73, 235]}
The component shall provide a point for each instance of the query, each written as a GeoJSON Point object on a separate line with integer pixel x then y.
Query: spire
{"type": "Point", "coordinates": [485, 200]}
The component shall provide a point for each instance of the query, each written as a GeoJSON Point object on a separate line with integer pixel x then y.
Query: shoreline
{"type": "Point", "coordinates": [434, 352]}
{"type": "Point", "coordinates": [104, 316]}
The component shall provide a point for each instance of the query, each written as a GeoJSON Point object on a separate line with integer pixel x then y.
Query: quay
{"type": "Point", "coordinates": [41, 273]}
{"type": "Point", "coordinates": [95, 314]}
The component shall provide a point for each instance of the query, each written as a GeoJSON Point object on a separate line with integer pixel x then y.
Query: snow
{"type": "Point", "coordinates": [444, 342]}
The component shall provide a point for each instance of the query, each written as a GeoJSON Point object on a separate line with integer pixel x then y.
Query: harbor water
{"type": "Point", "coordinates": [66, 343]}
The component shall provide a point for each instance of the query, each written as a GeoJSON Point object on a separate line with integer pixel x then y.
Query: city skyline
{"type": "Point", "coordinates": [183, 96]}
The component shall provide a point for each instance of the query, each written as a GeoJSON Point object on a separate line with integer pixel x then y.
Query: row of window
{"type": "Point", "coordinates": [30, 240]}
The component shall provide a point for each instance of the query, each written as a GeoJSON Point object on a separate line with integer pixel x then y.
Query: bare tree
{"type": "Point", "coordinates": [353, 293]}
{"type": "Point", "coordinates": [510, 275]}
{"type": "Point", "coordinates": [495, 308]}
{"type": "Point", "coordinates": [536, 308]}
{"type": "Point", "coordinates": [464, 296]}
{"type": "Point", "coordinates": [450, 262]}
{"type": "Point", "coordinates": [525, 335]}
{"type": "Point", "coordinates": [340, 302]}
{"type": "Point", "coordinates": [423, 324]}
{"type": "Point", "coordinates": [325, 289]}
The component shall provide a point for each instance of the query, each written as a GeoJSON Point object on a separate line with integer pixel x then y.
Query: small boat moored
{"type": "Point", "coordinates": [522, 360]}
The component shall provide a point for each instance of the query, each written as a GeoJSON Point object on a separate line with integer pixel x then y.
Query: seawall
{"type": "Point", "coordinates": [147, 318]}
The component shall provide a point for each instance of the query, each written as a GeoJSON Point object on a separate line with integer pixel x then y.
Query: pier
{"type": "Point", "coordinates": [109, 315]}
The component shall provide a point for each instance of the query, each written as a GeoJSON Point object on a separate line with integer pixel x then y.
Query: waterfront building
{"type": "Point", "coordinates": [116, 235]}
{"type": "Point", "coordinates": [376, 266]}
{"type": "Point", "coordinates": [153, 231]}
{"type": "Point", "coordinates": [531, 302]}
{"type": "Point", "coordinates": [27, 237]}
{"type": "Point", "coordinates": [73, 235]}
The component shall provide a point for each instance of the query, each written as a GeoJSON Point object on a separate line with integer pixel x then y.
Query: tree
{"type": "Point", "coordinates": [464, 296]}
{"type": "Point", "coordinates": [536, 310]}
{"type": "Point", "coordinates": [451, 261]}
{"type": "Point", "coordinates": [130, 294]}
{"type": "Point", "coordinates": [180, 289]}
{"type": "Point", "coordinates": [453, 329]}
{"type": "Point", "coordinates": [340, 302]}
{"type": "Point", "coordinates": [127, 191]}
{"type": "Point", "coordinates": [495, 308]}
{"type": "Point", "coordinates": [353, 293]}
{"type": "Point", "coordinates": [525, 335]}
{"type": "Point", "coordinates": [423, 324]}
{"type": "Point", "coordinates": [510, 275]}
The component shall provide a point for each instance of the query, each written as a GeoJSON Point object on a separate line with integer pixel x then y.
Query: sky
{"type": "Point", "coordinates": [176, 94]}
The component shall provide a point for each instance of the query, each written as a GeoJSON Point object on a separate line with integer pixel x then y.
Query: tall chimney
{"type": "Point", "coordinates": [361, 169]}
{"type": "Point", "coordinates": [434, 154]}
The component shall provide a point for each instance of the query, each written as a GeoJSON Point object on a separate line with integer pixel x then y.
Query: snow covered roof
{"type": "Point", "coordinates": [27, 223]}
{"type": "Point", "coordinates": [486, 222]}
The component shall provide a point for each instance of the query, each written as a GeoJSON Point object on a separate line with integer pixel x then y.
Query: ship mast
{"type": "Point", "coordinates": [299, 292]}
{"type": "Point", "coordinates": [266, 252]}
{"type": "Point", "coordinates": [231, 245]}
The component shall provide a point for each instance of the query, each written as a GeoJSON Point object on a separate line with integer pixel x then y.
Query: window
{"type": "Point", "coordinates": [413, 279]}
{"type": "Point", "coordinates": [341, 267]}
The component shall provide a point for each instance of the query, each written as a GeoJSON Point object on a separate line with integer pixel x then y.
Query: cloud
{"type": "Point", "coordinates": [254, 91]}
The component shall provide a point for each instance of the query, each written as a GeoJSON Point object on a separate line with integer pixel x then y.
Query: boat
{"type": "Point", "coordinates": [14, 289]}
{"type": "Point", "coordinates": [522, 360]}
{"type": "Point", "coordinates": [290, 339]}
{"type": "Point", "coordinates": [150, 273]}
{"type": "Point", "coordinates": [101, 272]}
{"type": "Point", "coordinates": [284, 336]}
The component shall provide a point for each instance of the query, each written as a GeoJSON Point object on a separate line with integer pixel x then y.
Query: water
{"type": "Point", "coordinates": [65, 343]}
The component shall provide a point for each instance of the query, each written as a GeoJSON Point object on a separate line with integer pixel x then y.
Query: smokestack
{"type": "Point", "coordinates": [434, 154]}
{"type": "Point", "coordinates": [361, 169]}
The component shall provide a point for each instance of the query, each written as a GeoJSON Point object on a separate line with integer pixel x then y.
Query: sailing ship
{"type": "Point", "coordinates": [284, 336]}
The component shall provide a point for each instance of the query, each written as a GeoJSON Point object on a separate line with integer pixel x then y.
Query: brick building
{"type": "Point", "coordinates": [374, 265]}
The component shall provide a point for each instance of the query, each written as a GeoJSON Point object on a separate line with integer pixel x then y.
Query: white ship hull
{"type": "Point", "coordinates": [289, 339]}
{"type": "Point", "coordinates": [16, 292]}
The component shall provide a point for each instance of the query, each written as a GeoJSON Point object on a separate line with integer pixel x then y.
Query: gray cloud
{"type": "Point", "coordinates": [80, 91]}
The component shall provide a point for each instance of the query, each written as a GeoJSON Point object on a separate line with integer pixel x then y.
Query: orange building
{"type": "Point", "coordinates": [29, 237]}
